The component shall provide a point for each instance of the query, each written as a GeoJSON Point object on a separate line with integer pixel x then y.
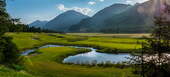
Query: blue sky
{"type": "Point", "coordinates": [31, 10]}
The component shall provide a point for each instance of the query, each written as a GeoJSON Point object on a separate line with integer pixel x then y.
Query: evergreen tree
{"type": "Point", "coordinates": [4, 18]}
{"type": "Point", "coordinates": [9, 53]}
{"type": "Point", "coordinates": [154, 60]}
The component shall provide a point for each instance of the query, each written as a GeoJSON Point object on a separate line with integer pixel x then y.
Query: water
{"type": "Point", "coordinates": [94, 57]}
{"type": "Point", "coordinates": [27, 52]}
{"type": "Point", "coordinates": [91, 57]}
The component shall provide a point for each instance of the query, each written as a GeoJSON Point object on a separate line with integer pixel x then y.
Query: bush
{"type": "Point", "coordinates": [8, 51]}
{"type": "Point", "coordinates": [17, 67]}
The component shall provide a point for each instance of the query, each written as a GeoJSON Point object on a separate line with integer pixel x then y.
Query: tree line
{"type": "Point", "coordinates": [25, 28]}
{"type": "Point", "coordinates": [17, 26]}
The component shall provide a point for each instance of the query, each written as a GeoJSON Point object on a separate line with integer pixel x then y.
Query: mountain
{"type": "Point", "coordinates": [137, 19]}
{"type": "Point", "coordinates": [38, 23]}
{"type": "Point", "coordinates": [119, 18]}
{"type": "Point", "coordinates": [65, 20]}
{"type": "Point", "coordinates": [99, 18]}
{"type": "Point", "coordinates": [107, 12]}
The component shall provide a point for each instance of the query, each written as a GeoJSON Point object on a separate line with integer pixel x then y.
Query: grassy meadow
{"type": "Point", "coordinates": [110, 43]}
{"type": "Point", "coordinates": [49, 62]}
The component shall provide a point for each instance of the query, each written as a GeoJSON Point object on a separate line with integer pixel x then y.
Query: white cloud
{"type": "Point", "coordinates": [135, 1]}
{"type": "Point", "coordinates": [129, 2]}
{"type": "Point", "coordinates": [91, 3]}
{"type": "Point", "coordinates": [95, 2]}
{"type": "Point", "coordinates": [84, 11]}
{"type": "Point", "coordinates": [101, 0]}
{"type": "Point", "coordinates": [62, 7]}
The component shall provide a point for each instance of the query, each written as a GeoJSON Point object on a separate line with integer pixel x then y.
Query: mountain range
{"type": "Point", "coordinates": [122, 18]}
{"type": "Point", "coordinates": [117, 18]}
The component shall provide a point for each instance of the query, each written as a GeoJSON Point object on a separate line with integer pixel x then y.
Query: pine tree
{"type": "Point", "coordinates": [9, 53]}
{"type": "Point", "coordinates": [4, 18]}
{"type": "Point", "coordinates": [154, 60]}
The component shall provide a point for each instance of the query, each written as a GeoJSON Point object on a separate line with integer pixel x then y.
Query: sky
{"type": "Point", "coordinates": [45, 10]}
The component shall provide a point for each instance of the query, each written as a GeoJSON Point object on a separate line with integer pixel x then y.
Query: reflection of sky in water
{"type": "Point", "coordinates": [96, 57]}
{"type": "Point", "coordinates": [92, 57]}
{"type": "Point", "coordinates": [27, 52]}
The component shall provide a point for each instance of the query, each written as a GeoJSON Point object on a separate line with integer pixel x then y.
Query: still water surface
{"type": "Point", "coordinates": [91, 57]}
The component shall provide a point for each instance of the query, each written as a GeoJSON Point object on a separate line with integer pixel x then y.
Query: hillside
{"type": "Point", "coordinates": [128, 19]}
{"type": "Point", "coordinates": [98, 20]}
{"type": "Point", "coordinates": [38, 23]}
{"type": "Point", "coordinates": [65, 20]}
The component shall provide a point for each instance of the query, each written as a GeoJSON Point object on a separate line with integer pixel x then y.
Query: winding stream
{"type": "Point", "coordinates": [91, 57]}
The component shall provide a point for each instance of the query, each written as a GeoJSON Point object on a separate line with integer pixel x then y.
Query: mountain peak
{"type": "Point", "coordinates": [63, 21]}
{"type": "Point", "coordinates": [38, 23]}
{"type": "Point", "coordinates": [72, 12]}
{"type": "Point", "coordinates": [120, 4]}
{"type": "Point", "coordinates": [113, 9]}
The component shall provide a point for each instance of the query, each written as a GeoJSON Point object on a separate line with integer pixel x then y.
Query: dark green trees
{"type": "Point", "coordinates": [4, 18]}
{"type": "Point", "coordinates": [8, 51]}
{"type": "Point", "coordinates": [155, 60]}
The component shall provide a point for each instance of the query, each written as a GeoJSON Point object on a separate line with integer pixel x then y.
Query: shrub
{"type": "Point", "coordinates": [9, 52]}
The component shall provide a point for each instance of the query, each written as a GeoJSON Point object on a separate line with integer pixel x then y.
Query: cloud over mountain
{"type": "Point", "coordinates": [101, 0]}
{"type": "Point", "coordinates": [135, 1]}
{"type": "Point", "coordinates": [84, 11]}
{"type": "Point", "coordinates": [91, 3]}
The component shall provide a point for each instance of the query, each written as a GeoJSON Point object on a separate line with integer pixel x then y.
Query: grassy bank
{"type": "Point", "coordinates": [48, 64]}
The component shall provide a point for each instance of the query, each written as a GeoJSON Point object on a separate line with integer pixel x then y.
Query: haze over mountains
{"type": "Point", "coordinates": [38, 23]}
{"type": "Point", "coordinates": [98, 21]}
{"type": "Point", "coordinates": [117, 18]}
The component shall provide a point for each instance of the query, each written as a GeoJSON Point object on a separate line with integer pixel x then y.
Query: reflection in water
{"type": "Point", "coordinates": [92, 57]}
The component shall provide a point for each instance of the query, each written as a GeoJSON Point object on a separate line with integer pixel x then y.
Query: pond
{"type": "Point", "coordinates": [91, 57]}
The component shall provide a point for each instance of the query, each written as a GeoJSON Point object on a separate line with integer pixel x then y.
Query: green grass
{"type": "Point", "coordinates": [6, 72]}
{"type": "Point", "coordinates": [137, 35]}
{"type": "Point", "coordinates": [27, 40]}
{"type": "Point", "coordinates": [48, 64]}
